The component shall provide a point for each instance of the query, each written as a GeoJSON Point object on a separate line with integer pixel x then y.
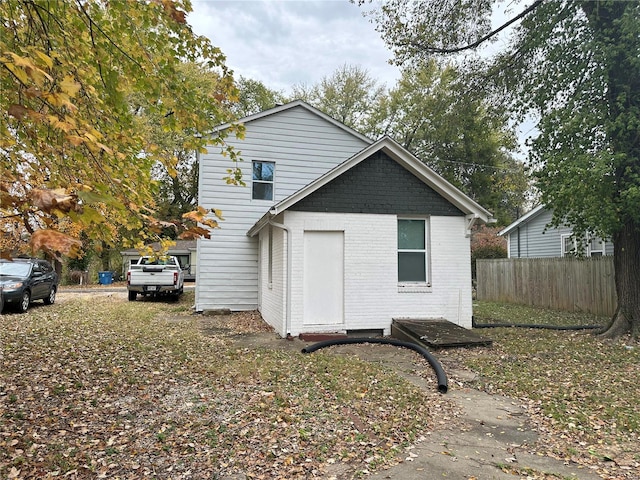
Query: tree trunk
{"type": "Point", "coordinates": [619, 41]}
{"type": "Point", "coordinates": [626, 263]}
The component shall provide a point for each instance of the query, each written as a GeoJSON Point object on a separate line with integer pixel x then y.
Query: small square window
{"type": "Point", "coordinates": [262, 177]}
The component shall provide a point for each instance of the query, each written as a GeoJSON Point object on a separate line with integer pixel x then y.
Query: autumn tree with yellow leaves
{"type": "Point", "coordinates": [79, 81]}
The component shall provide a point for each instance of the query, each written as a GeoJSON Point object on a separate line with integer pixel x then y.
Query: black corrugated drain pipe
{"type": "Point", "coordinates": [437, 368]}
{"type": "Point", "coordinates": [535, 326]}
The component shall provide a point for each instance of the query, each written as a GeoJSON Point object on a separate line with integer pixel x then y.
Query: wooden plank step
{"type": "Point", "coordinates": [436, 333]}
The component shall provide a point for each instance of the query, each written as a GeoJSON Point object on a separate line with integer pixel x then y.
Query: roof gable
{"type": "Point", "coordinates": [404, 158]}
{"type": "Point", "coordinates": [291, 105]}
{"type": "Point", "coordinates": [526, 218]}
{"type": "Point", "coordinates": [377, 185]}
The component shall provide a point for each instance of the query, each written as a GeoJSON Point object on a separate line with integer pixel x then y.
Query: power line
{"type": "Point", "coordinates": [494, 167]}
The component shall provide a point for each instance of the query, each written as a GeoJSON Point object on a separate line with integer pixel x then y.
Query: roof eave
{"type": "Point", "coordinates": [260, 224]}
{"type": "Point", "coordinates": [522, 220]}
{"type": "Point", "coordinates": [398, 154]}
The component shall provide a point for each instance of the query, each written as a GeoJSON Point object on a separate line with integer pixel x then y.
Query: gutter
{"type": "Point", "coordinates": [288, 289]}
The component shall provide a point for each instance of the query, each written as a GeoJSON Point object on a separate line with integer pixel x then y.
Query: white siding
{"type": "Point", "coordinates": [372, 297]}
{"type": "Point", "coordinates": [609, 248]}
{"type": "Point", "coordinates": [273, 304]}
{"type": "Point", "coordinates": [303, 147]}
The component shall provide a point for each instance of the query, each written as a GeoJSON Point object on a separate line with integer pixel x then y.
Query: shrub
{"type": "Point", "coordinates": [485, 243]}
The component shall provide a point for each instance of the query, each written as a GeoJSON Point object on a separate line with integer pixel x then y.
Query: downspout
{"type": "Point", "coordinates": [518, 216]}
{"type": "Point", "coordinates": [199, 240]}
{"type": "Point", "coordinates": [287, 324]}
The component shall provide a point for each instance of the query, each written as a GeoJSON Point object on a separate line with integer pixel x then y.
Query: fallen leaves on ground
{"type": "Point", "coordinates": [99, 387]}
{"type": "Point", "coordinates": [581, 391]}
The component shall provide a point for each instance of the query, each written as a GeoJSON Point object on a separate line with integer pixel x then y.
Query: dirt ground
{"type": "Point", "coordinates": [491, 439]}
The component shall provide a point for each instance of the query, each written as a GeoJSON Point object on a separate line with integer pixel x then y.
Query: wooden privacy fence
{"type": "Point", "coordinates": [572, 284]}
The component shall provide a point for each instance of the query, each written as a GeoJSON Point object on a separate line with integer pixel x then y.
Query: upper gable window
{"type": "Point", "coordinates": [262, 177]}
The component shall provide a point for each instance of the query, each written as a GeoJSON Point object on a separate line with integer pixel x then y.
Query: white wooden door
{"type": "Point", "coordinates": [323, 279]}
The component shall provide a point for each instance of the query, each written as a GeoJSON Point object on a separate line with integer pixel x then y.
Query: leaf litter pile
{"type": "Point", "coordinates": [95, 387]}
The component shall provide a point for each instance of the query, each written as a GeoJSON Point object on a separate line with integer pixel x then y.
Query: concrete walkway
{"type": "Point", "coordinates": [491, 443]}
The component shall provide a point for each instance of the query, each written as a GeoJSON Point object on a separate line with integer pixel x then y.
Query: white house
{"type": "Point", "coordinates": [334, 232]}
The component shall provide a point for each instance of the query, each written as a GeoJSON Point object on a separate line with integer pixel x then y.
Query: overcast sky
{"type": "Point", "coordinates": [286, 42]}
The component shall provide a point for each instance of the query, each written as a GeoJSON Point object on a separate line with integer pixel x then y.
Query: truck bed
{"type": "Point", "coordinates": [144, 275]}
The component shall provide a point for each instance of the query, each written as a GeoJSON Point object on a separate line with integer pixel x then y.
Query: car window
{"type": "Point", "coordinates": [14, 268]}
{"type": "Point", "coordinates": [159, 261]}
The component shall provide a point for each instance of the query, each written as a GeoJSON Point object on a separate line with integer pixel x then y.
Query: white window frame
{"type": "Point", "coordinates": [588, 251]}
{"type": "Point", "coordinates": [266, 182]}
{"type": "Point", "coordinates": [420, 286]}
{"type": "Point", "coordinates": [563, 239]}
{"type": "Point", "coordinates": [602, 251]}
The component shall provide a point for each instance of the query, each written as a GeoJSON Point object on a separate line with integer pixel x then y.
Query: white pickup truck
{"type": "Point", "coordinates": [157, 276]}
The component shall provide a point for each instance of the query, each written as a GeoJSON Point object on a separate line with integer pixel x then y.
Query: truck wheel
{"type": "Point", "coordinates": [132, 296]}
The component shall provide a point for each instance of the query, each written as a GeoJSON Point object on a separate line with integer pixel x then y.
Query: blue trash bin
{"type": "Point", "coordinates": [105, 278]}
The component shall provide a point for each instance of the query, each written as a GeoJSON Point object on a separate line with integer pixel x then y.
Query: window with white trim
{"type": "Point", "coordinates": [592, 247]}
{"type": "Point", "coordinates": [262, 180]}
{"type": "Point", "coordinates": [413, 252]}
{"type": "Point", "coordinates": [596, 247]}
{"type": "Point", "coordinates": [569, 246]}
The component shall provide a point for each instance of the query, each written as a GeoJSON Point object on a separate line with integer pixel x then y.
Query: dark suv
{"type": "Point", "coordinates": [23, 280]}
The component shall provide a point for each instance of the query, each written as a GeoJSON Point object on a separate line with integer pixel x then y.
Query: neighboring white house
{"type": "Point", "coordinates": [333, 232]}
{"type": "Point", "coordinates": [529, 237]}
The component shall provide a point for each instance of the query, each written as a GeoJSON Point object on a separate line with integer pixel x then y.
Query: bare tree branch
{"type": "Point", "coordinates": [481, 40]}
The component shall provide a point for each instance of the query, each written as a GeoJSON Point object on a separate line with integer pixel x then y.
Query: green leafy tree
{"type": "Point", "coordinates": [350, 95]}
{"type": "Point", "coordinates": [457, 134]}
{"type": "Point", "coordinates": [177, 191]}
{"type": "Point", "coordinates": [76, 153]}
{"type": "Point", "coordinates": [575, 65]}
{"type": "Point", "coordinates": [254, 97]}
{"type": "Point", "coordinates": [177, 174]}
{"type": "Point", "coordinates": [176, 171]}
